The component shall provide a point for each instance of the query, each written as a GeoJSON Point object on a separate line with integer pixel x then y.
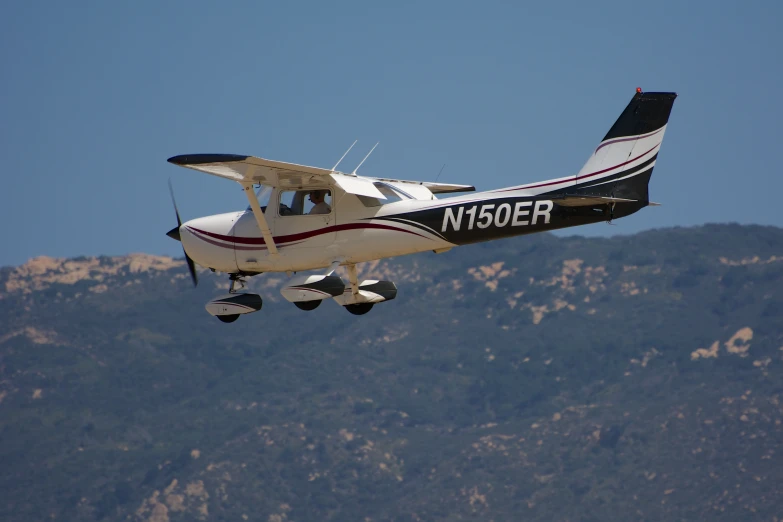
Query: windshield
{"type": "Point", "coordinates": [262, 195]}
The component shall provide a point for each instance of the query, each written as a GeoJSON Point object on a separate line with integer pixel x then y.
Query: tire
{"type": "Point", "coordinates": [308, 305]}
{"type": "Point", "coordinates": [359, 308]}
{"type": "Point", "coordinates": [228, 318]}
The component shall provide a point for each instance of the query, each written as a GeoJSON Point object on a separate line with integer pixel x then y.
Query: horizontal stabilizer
{"type": "Point", "coordinates": [586, 200]}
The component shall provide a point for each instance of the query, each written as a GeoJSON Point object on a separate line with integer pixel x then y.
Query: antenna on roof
{"type": "Point", "coordinates": [344, 155]}
{"type": "Point", "coordinates": [440, 172]}
{"type": "Point", "coordinates": [365, 159]}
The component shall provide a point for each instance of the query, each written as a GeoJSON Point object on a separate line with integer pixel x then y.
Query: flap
{"type": "Point", "coordinates": [356, 185]}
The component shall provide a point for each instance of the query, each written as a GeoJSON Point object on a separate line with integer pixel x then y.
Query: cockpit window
{"type": "Point", "coordinates": [392, 196]}
{"type": "Point", "coordinates": [305, 202]}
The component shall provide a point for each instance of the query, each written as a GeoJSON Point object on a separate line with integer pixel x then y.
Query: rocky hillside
{"type": "Point", "coordinates": [538, 378]}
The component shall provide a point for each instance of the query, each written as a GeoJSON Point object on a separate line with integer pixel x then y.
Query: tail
{"type": "Point", "coordinates": [622, 164]}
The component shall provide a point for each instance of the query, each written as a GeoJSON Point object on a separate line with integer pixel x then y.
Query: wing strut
{"type": "Point", "coordinates": [260, 219]}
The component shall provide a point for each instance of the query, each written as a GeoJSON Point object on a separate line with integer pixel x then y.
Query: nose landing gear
{"type": "Point", "coordinates": [228, 308]}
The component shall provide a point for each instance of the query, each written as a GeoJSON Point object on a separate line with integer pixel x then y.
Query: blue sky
{"type": "Point", "coordinates": [95, 96]}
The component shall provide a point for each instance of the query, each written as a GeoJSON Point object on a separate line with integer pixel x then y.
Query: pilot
{"type": "Point", "coordinates": [319, 205]}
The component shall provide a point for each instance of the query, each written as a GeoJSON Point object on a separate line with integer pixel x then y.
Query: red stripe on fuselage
{"type": "Point", "coordinates": [283, 240]}
{"type": "Point", "coordinates": [232, 246]}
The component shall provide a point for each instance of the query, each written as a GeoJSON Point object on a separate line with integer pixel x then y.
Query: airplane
{"type": "Point", "coordinates": [304, 218]}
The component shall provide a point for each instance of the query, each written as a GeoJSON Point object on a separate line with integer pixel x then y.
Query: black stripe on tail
{"type": "Point", "coordinates": [647, 112]}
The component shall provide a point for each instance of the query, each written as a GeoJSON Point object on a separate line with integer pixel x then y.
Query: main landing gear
{"type": "Point", "coordinates": [359, 308]}
{"type": "Point", "coordinates": [354, 301]}
{"type": "Point", "coordinates": [360, 297]}
{"type": "Point", "coordinates": [307, 305]}
{"type": "Point", "coordinates": [306, 292]}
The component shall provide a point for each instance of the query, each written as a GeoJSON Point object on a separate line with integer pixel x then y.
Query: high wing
{"type": "Point", "coordinates": [250, 169]}
{"type": "Point", "coordinates": [244, 169]}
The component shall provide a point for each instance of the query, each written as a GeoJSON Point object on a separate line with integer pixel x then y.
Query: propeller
{"type": "Point", "coordinates": [174, 234]}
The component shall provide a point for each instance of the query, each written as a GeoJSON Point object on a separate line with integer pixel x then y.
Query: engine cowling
{"type": "Point", "coordinates": [312, 288]}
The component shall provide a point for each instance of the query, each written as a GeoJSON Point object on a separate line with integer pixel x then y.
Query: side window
{"type": "Point", "coordinates": [304, 202]}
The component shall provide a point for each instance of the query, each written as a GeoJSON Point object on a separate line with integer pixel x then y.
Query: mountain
{"type": "Point", "coordinates": [536, 378]}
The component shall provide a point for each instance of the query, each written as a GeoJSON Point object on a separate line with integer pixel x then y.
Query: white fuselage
{"type": "Point", "coordinates": [308, 218]}
{"type": "Point", "coordinates": [359, 228]}
{"type": "Point", "coordinates": [233, 242]}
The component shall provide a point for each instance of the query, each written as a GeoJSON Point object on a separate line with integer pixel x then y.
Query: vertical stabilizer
{"type": "Point", "coordinates": [622, 163]}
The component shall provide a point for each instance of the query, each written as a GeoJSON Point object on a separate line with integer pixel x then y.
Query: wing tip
{"type": "Point", "coordinates": [200, 159]}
